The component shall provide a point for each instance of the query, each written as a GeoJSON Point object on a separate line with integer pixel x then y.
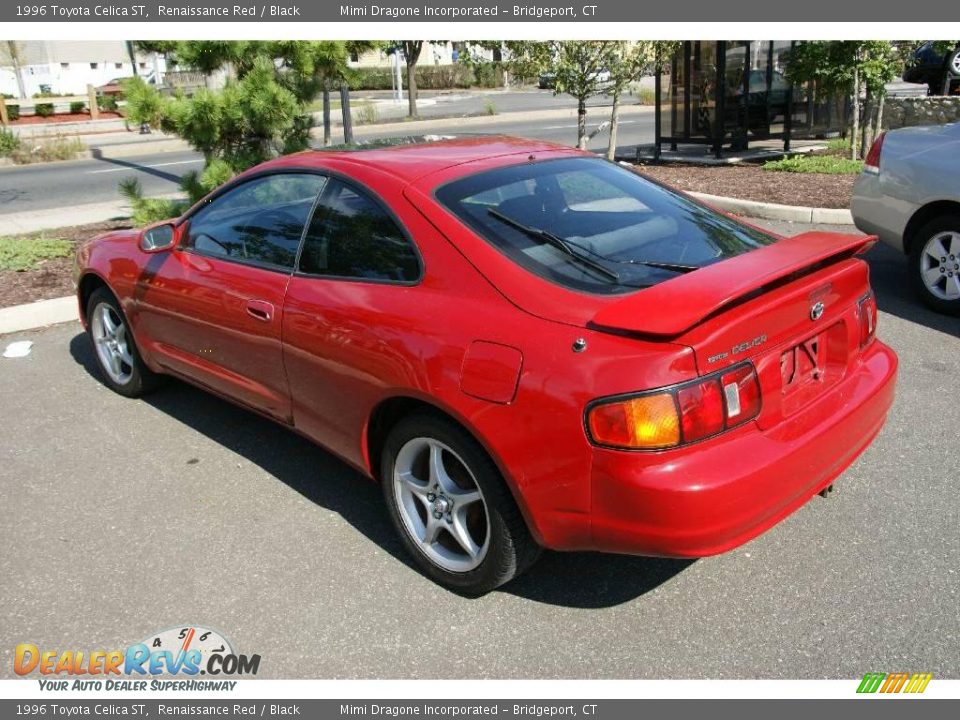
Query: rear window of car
{"type": "Point", "coordinates": [594, 226]}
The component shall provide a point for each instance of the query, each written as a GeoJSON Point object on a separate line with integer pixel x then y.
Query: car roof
{"type": "Point", "coordinates": [417, 157]}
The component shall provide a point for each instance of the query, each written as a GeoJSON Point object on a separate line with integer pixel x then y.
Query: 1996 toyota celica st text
{"type": "Point", "coordinates": [526, 345]}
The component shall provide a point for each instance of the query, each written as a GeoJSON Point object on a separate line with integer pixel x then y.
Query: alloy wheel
{"type": "Point", "coordinates": [441, 505]}
{"type": "Point", "coordinates": [940, 265]}
{"type": "Point", "coordinates": [112, 344]}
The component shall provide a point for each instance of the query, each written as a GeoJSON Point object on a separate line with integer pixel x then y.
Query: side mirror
{"type": "Point", "coordinates": [158, 238]}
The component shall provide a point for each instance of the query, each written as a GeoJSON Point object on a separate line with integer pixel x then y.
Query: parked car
{"type": "Point", "coordinates": [526, 345]}
{"type": "Point", "coordinates": [938, 70]}
{"type": "Point", "coordinates": [909, 196]}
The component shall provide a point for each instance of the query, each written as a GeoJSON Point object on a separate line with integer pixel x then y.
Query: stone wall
{"type": "Point", "coordinates": [906, 112]}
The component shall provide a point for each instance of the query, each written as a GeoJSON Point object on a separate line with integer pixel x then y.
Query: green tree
{"type": "Point", "coordinates": [847, 68]}
{"type": "Point", "coordinates": [261, 112]}
{"type": "Point", "coordinates": [578, 66]}
{"type": "Point", "coordinates": [411, 50]}
{"type": "Point", "coordinates": [627, 63]}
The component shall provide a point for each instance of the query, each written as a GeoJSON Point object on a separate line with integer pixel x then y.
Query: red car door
{"type": "Point", "coordinates": [346, 307]}
{"type": "Point", "coordinates": [212, 309]}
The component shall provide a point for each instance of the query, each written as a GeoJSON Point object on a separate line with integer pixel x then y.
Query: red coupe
{"type": "Point", "coordinates": [528, 346]}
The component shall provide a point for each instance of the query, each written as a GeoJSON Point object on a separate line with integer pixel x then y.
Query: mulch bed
{"type": "Point", "coordinates": [751, 182]}
{"type": "Point", "coordinates": [52, 278]}
{"type": "Point", "coordinates": [62, 118]}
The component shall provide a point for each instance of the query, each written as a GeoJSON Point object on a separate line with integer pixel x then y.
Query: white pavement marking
{"type": "Point", "coordinates": [136, 167]}
{"type": "Point", "coordinates": [573, 127]}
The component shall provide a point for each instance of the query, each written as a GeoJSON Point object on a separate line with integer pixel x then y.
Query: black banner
{"type": "Point", "coordinates": [447, 11]}
{"type": "Point", "coordinates": [875, 709]}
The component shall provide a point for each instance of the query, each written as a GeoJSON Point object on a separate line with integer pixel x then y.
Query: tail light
{"type": "Point", "coordinates": [867, 315]}
{"type": "Point", "coordinates": [872, 161]}
{"type": "Point", "coordinates": [679, 415]}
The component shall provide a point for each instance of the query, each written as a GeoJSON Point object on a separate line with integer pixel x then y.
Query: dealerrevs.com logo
{"type": "Point", "coordinates": [188, 652]}
{"type": "Point", "coordinates": [887, 683]}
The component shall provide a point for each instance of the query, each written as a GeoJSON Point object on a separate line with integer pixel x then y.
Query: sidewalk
{"type": "Point", "coordinates": [50, 219]}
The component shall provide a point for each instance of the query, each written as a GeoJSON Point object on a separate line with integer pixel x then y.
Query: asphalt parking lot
{"type": "Point", "coordinates": [119, 518]}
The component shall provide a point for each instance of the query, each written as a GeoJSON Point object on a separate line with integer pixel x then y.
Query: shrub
{"type": "Point", "coordinates": [144, 103]}
{"type": "Point", "coordinates": [107, 103]}
{"type": "Point", "coordinates": [490, 107]}
{"type": "Point", "coordinates": [489, 74]}
{"type": "Point", "coordinates": [824, 164]}
{"type": "Point", "coordinates": [149, 210]}
{"type": "Point", "coordinates": [9, 142]}
{"type": "Point", "coordinates": [366, 114]}
{"type": "Point", "coordinates": [429, 77]}
{"type": "Point", "coordinates": [445, 77]}
{"type": "Point", "coordinates": [77, 107]}
{"type": "Point", "coordinates": [13, 111]}
{"type": "Point", "coordinates": [44, 109]}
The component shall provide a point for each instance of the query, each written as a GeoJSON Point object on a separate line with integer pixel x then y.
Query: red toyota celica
{"type": "Point", "coordinates": [528, 346]}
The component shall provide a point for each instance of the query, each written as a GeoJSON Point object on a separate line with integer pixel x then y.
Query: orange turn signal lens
{"type": "Point", "coordinates": [648, 422]}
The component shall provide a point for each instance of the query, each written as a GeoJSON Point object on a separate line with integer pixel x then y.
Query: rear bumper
{"type": "Point", "coordinates": [712, 497]}
{"type": "Point", "coordinates": [878, 214]}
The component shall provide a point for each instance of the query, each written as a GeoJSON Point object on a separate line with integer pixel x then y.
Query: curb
{"type": "Point", "coordinates": [40, 314]}
{"type": "Point", "coordinates": [772, 211]}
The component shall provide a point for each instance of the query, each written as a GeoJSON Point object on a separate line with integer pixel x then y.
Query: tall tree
{"type": "Point", "coordinates": [850, 68]}
{"type": "Point", "coordinates": [411, 56]}
{"type": "Point", "coordinates": [263, 110]}
{"type": "Point", "coordinates": [627, 63]}
{"type": "Point", "coordinates": [580, 68]}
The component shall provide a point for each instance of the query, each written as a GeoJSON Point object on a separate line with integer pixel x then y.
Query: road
{"type": "Point", "coordinates": [57, 185]}
{"type": "Point", "coordinates": [119, 518]}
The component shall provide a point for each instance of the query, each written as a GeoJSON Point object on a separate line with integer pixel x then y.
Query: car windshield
{"type": "Point", "coordinates": [594, 226]}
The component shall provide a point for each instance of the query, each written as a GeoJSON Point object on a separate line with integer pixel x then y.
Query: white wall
{"type": "Point", "coordinates": [68, 67]}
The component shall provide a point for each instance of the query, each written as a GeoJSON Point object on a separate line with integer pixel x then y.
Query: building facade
{"type": "Point", "coordinates": [67, 67]}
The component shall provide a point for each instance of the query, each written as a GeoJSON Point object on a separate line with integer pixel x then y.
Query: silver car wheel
{"type": "Point", "coordinates": [940, 265]}
{"type": "Point", "coordinates": [955, 64]}
{"type": "Point", "coordinates": [110, 339]}
{"type": "Point", "coordinates": [441, 505]}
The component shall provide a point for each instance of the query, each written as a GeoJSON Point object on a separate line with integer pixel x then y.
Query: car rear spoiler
{"type": "Point", "coordinates": [676, 305]}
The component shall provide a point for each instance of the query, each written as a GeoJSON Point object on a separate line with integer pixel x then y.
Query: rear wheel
{"type": "Point", "coordinates": [935, 264]}
{"type": "Point", "coordinates": [116, 353]}
{"type": "Point", "coordinates": [451, 507]}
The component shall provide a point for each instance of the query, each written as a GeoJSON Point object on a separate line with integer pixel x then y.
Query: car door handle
{"type": "Point", "coordinates": [260, 309]}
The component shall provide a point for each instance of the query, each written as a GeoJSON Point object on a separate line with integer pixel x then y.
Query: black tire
{"type": "Point", "coordinates": [951, 263]}
{"type": "Point", "coordinates": [140, 380]}
{"type": "Point", "coordinates": [510, 549]}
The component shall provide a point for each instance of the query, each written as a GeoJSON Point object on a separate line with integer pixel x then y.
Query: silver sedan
{"type": "Point", "coordinates": [909, 195]}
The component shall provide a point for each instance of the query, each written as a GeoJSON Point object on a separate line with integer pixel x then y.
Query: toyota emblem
{"type": "Point", "coordinates": [816, 311]}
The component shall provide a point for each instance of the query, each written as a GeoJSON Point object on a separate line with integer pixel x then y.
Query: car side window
{"type": "Point", "coordinates": [351, 236]}
{"type": "Point", "coordinates": [259, 222]}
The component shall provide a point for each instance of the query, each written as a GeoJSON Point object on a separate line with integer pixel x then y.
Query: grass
{"type": "Point", "coordinates": [366, 114]}
{"type": "Point", "coordinates": [58, 148]}
{"type": "Point", "coordinates": [644, 95]}
{"type": "Point", "coordinates": [9, 142]}
{"type": "Point", "coordinates": [823, 164]}
{"type": "Point", "coordinates": [317, 105]}
{"type": "Point", "coordinates": [23, 253]}
{"type": "Point", "coordinates": [490, 107]}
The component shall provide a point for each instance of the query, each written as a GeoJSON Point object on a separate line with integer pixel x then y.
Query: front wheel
{"type": "Point", "coordinates": [119, 361]}
{"type": "Point", "coordinates": [451, 507]}
{"type": "Point", "coordinates": [935, 264]}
